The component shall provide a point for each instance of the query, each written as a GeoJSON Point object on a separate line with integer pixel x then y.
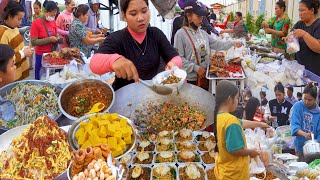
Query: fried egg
{"type": "Point", "coordinates": [185, 133]}
{"type": "Point", "coordinates": [192, 171]}
{"type": "Point", "coordinates": [142, 156]}
{"type": "Point", "coordinates": [209, 145]}
{"type": "Point", "coordinates": [165, 141]}
{"type": "Point", "coordinates": [163, 133]}
{"type": "Point", "coordinates": [187, 154]}
{"type": "Point", "coordinates": [162, 170]}
{"type": "Point", "coordinates": [186, 143]}
{"type": "Point", "coordinates": [144, 144]}
{"type": "Point", "coordinates": [166, 154]}
{"type": "Point", "coordinates": [137, 171]}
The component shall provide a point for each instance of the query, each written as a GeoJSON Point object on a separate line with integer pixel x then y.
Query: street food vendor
{"type": "Point", "coordinates": [134, 52]}
{"type": "Point", "coordinates": [305, 119]}
{"type": "Point", "coordinates": [194, 44]}
{"type": "Point", "coordinates": [278, 110]}
{"type": "Point", "coordinates": [278, 26]}
{"type": "Point", "coordinates": [308, 32]}
{"type": "Point", "coordinates": [232, 161]}
{"type": "Point", "coordinates": [239, 29]}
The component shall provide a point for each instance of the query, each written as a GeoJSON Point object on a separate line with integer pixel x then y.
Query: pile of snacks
{"type": "Point", "coordinates": [107, 129]}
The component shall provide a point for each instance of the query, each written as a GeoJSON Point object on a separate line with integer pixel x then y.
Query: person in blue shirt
{"type": "Point", "coordinates": [305, 119]}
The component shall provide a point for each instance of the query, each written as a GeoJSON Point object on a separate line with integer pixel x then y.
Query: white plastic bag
{"type": "Point", "coordinates": [293, 45]}
{"type": "Point", "coordinates": [256, 166]}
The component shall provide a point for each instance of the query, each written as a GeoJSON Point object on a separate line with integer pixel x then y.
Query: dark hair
{"type": "Point", "coordinates": [251, 107]}
{"type": "Point", "coordinates": [248, 93]}
{"type": "Point", "coordinates": [299, 94]}
{"type": "Point", "coordinates": [311, 89]}
{"type": "Point", "coordinates": [282, 4]}
{"type": "Point", "coordinates": [38, 3]}
{"type": "Point", "coordinates": [125, 3]}
{"type": "Point", "coordinates": [6, 54]}
{"type": "Point", "coordinates": [239, 14]}
{"type": "Point", "coordinates": [82, 9]}
{"type": "Point", "coordinates": [67, 2]}
{"type": "Point", "coordinates": [12, 9]}
{"type": "Point", "coordinates": [315, 4]}
{"type": "Point", "coordinates": [50, 6]}
{"type": "Point", "coordinates": [224, 90]}
{"type": "Point", "coordinates": [290, 89]}
{"type": "Point", "coordinates": [185, 20]}
{"type": "Point", "coordinates": [279, 87]}
{"type": "Point", "coordinates": [263, 93]}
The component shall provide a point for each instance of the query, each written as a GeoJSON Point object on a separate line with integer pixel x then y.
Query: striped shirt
{"type": "Point", "coordinates": [13, 38]}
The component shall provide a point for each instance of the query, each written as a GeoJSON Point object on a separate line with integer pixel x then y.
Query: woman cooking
{"type": "Point", "coordinates": [239, 28]}
{"type": "Point", "coordinates": [278, 27]}
{"type": "Point", "coordinates": [194, 44]}
{"type": "Point", "coordinates": [134, 52]}
{"type": "Point", "coordinates": [305, 119]}
{"type": "Point", "coordinates": [308, 32]}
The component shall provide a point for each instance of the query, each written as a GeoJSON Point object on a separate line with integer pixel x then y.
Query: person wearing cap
{"type": "Point", "coordinates": [92, 22]}
{"type": "Point", "coordinates": [135, 51]}
{"type": "Point", "coordinates": [44, 34]}
{"type": "Point", "coordinates": [202, 41]}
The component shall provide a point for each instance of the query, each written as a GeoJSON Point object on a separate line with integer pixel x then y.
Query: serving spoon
{"type": "Point", "coordinates": [159, 89]}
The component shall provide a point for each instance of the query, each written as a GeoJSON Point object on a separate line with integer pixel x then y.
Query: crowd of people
{"type": "Point", "coordinates": [136, 52]}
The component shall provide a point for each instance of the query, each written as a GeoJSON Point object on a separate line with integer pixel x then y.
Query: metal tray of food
{"type": "Point", "coordinates": [215, 77]}
{"type": "Point", "coordinates": [7, 89]}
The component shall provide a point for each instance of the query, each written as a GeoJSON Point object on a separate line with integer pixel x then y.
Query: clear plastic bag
{"type": "Point", "coordinates": [293, 45]}
{"type": "Point", "coordinates": [256, 166]}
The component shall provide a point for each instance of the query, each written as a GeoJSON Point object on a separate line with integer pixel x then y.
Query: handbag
{"type": "Point", "coordinates": [201, 82]}
{"type": "Point", "coordinates": [54, 45]}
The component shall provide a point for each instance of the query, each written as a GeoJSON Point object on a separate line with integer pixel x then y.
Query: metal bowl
{"type": "Point", "coordinates": [69, 91]}
{"type": "Point", "coordinates": [75, 126]}
{"type": "Point", "coordinates": [7, 89]}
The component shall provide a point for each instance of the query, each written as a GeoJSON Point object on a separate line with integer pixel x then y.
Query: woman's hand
{"type": "Point", "coordinates": [125, 69]}
{"type": "Point", "coordinates": [53, 39]}
{"type": "Point", "coordinates": [264, 24]}
{"type": "Point", "coordinates": [169, 66]}
{"type": "Point", "coordinates": [268, 30]}
{"type": "Point", "coordinates": [307, 135]}
{"type": "Point", "coordinates": [299, 33]}
{"type": "Point", "coordinates": [28, 52]}
{"type": "Point", "coordinates": [253, 153]}
{"type": "Point", "coordinates": [202, 72]}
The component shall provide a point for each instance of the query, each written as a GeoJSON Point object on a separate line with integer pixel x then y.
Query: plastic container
{"type": "Point", "coordinates": [171, 165]}
{"type": "Point", "coordinates": [143, 166]}
{"type": "Point", "coordinates": [172, 148]}
{"type": "Point", "coordinates": [209, 167]}
{"type": "Point", "coordinates": [201, 154]}
{"type": "Point", "coordinates": [151, 153]}
{"type": "Point", "coordinates": [158, 154]}
{"type": "Point", "coordinates": [180, 139]}
{"type": "Point", "coordinates": [197, 133]}
{"type": "Point", "coordinates": [198, 158]}
{"type": "Point", "coordinates": [193, 146]}
{"type": "Point", "coordinates": [181, 166]}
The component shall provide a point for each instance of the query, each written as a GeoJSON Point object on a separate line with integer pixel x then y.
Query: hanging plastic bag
{"type": "Point", "coordinates": [293, 45]}
{"type": "Point", "coordinates": [256, 166]}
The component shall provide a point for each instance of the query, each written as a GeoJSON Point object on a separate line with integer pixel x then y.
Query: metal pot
{"type": "Point", "coordinates": [311, 149]}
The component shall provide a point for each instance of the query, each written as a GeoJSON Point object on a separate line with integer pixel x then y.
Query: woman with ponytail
{"type": "Point", "coordinates": [232, 162]}
{"type": "Point", "coordinates": [305, 119]}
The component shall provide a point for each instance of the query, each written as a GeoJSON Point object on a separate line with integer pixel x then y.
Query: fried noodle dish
{"type": "Point", "coordinates": [83, 100]}
{"type": "Point", "coordinates": [171, 80]}
{"type": "Point", "coordinates": [169, 117]}
{"type": "Point", "coordinates": [31, 101]}
{"type": "Point", "coordinates": [40, 152]}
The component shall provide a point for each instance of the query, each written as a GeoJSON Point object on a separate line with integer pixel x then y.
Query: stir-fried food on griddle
{"type": "Point", "coordinates": [83, 100]}
{"type": "Point", "coordinates": [31, 101]}
{"type": "Point", "coordinates": [172, 79]}
{"type": "Point", "coordinates": [171, 117]}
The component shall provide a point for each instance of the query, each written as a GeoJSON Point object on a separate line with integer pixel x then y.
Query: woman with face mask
{"type": "Point", "coordinates": [64, 21]}
{"type": "Point", "coordinates": [134, 52]}
{"type": "Point", "coordinates": [43, 33]}
{"type": "Point", "coordinates": [278, 26]}
{"type": "Point", "coordinates": [9, 34]}
{"type": "Point", "coordinates": [194, 45]}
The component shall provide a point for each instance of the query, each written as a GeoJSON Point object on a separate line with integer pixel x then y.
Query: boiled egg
{"type": "Point", "coordinates": [192, 171]}
{"type": "Point", "coordinates": [166, 154]}
{"type": "Point", "coordinates": [187, 154]}
{"type": "Point", "coordinates": [162, 170]}
{"type": "Point", "coordinates": [137, 171]}
{"type": "Point", "coordinates": [142, 156]}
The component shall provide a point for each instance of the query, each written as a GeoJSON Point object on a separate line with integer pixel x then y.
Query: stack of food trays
{"type": "Point", "coordinates": [171, 155]}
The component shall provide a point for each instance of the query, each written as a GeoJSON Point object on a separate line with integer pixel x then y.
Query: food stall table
{"type": "Point", "coordinates": [275, 172]}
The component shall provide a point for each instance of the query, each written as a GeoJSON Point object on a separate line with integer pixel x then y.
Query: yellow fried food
{"type": "Point", "coordinates": [107, 129]}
